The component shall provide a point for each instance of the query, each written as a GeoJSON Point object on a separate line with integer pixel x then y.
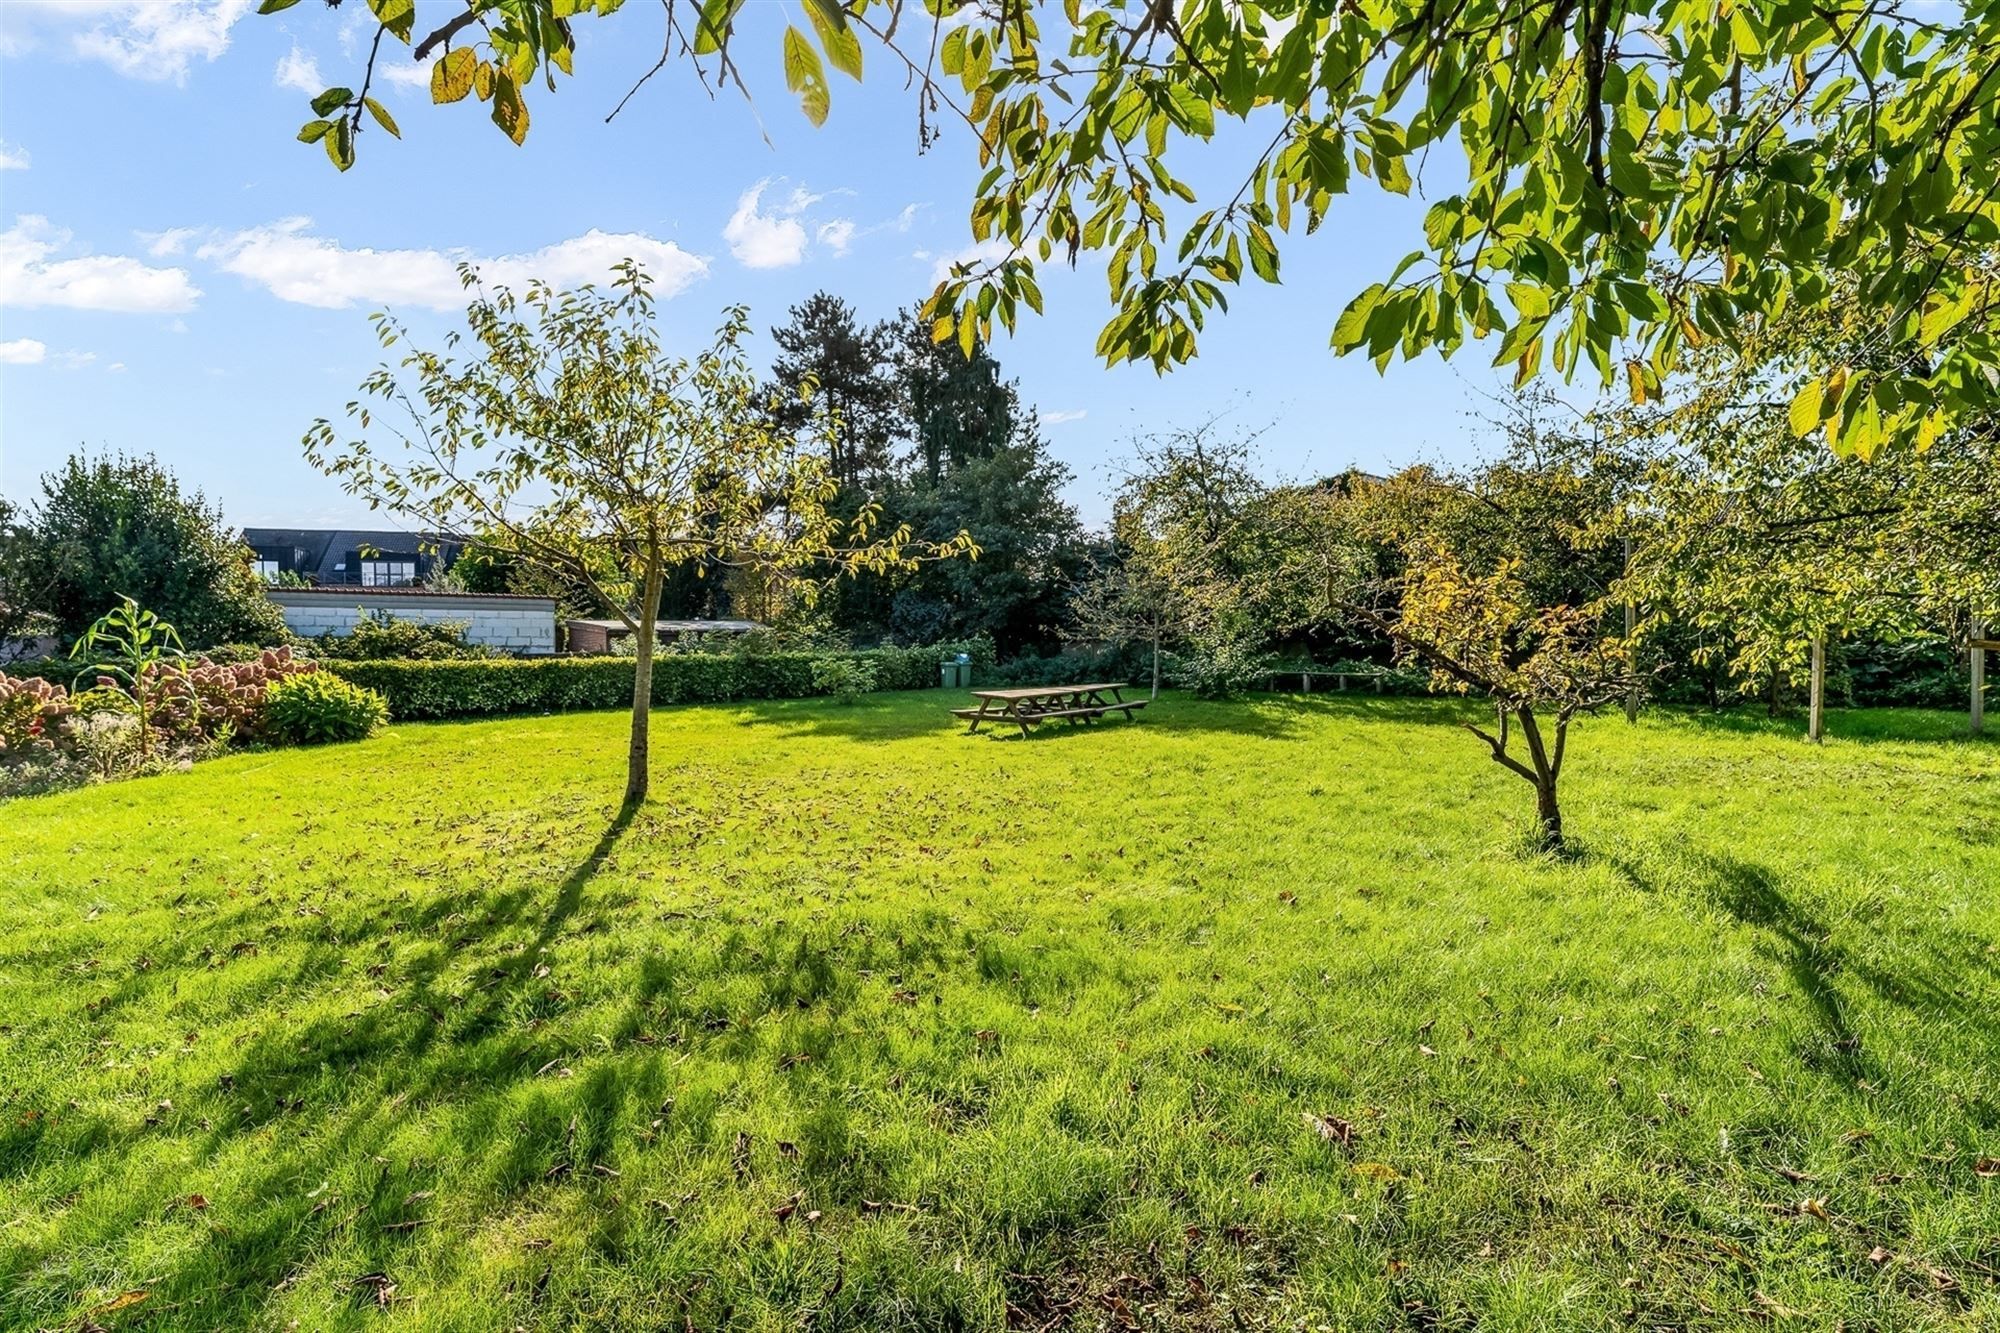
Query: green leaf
{"type": "Point", "coordinates": [340, 144]}
{"type": "Point", "coordinates": [274, 6]}
{"type": "Point", "coordinates": [1805, 410]}
{"type": "Point", "coordinates": [451, 77]}
{"type": "Point", "coordinates": [1351, 329]}
{"type": "Point", "coordinates": [836, 36]}
{"type": "Point", "coordinates": [1263, 253]}
{"type": "Point", "coordinates": [314, 130]}
{"type": "Point", "coordinates": [330, 100]}
{"type": "Point", "coordinates": [398, 16]}
{"type": "Point", "coordinates": [712, 28]}
{"type": "Point", "coordinates": [382, 117]}
{"type": "Point", "coordinates": [805, 76]}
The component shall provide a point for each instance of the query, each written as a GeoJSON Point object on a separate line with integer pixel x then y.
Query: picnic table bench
{"type": "Point", "coordinates": [1025, 706]}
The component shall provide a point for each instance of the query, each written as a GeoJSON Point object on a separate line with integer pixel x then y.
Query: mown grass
{"type": "Point", "coordinates": [1247, 1016]}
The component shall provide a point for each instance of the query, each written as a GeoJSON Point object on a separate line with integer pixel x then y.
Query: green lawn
{"type": "Point", "coordinates": [1246, 1016]}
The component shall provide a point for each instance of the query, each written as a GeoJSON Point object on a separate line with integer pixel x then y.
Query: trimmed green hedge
{"type": "Point", "coordinates": [434, 689]}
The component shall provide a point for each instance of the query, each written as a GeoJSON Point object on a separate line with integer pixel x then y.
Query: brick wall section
{"type": "Point", "coordinates": [588, 638]}
{"type": "Point", "coordinates": [525, 626]}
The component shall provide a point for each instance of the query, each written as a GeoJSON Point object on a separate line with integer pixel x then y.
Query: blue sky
{"type": "Point", "coordinates": [177, 275]}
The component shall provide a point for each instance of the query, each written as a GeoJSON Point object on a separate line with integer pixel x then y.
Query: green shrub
{"type": "Point", "coordinates": [418, 690]}
{"type": "Point", "coordinates": [844, 677]}
{"type": "Point", "coordinates": [380, 637]}
{"type": "Point", "coordinates": [320, 707]}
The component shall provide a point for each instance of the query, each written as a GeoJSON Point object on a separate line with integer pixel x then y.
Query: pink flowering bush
{"type": "Point", "coordinates": [33, 717]}
{"type": "Point", "coordinates": [206, 700]}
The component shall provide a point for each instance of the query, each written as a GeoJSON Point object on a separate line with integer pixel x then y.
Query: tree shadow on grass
{"type": "Point", "coordinates": [1936, 979]}
{"type": "Point", "coordinates": [904, 716]}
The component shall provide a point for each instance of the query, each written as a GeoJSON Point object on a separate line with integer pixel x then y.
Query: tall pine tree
{"type": "Point", "coordinates": [850, 412]}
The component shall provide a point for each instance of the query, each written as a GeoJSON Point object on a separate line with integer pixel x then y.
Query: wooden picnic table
{"type": "Point", "coordinates": [1024, 706]}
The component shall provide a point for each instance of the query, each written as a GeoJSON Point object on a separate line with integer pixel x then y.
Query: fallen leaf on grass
{"type": "Point", "coordinates": [124, 1300]}
{"type": "Point", "coordinates": [1988, 1167]}
{"type": "Point", "coordinates": [1330, 1127]}
{"type": "Point", "coordinates": [1815, 1208]}
{"type": "Point", "coordinates": [379, 1287]}
{"type": "Point", "coordinates": [1879, 1256]}
{"type": "Point", "coordinates": [1377, 1171]}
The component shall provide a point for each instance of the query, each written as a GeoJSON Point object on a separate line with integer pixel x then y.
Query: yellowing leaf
{"type": "Point", "coordinates": [805, 76]}
{"type": "Point", "coordinates": [451, 77]}
{"type": "Point", "coordinates": [510, 113]}
{"type": "Point", "coordinates": [381, 115]}
{"type": "Point", "coordinates": [395, 15]}
{"type": "Point", "coordinates": [483, 75]}
{"type": "Point", "coordinates": [1377, 1171]}
{"type": "Point", "coordinates": [1929, 429]}
{"type": "Point", "coordinates": [1805, 409]}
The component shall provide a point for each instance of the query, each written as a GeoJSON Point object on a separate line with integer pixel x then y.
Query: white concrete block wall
{"type": "Point", "coordinates": [525, 626]}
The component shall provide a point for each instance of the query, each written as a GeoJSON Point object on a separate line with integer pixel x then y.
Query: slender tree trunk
{"type": "Point", "coordinates": [1976, 722]}
{"type": "Point", "coordinates": [1631, 624]}
{"type": "Point", "coordinates": [638, 770]}
{"type": "Point", "coordinates": [1549, 814]}
{"type": "Point", "coordinates": [1816, 715]}
{"type": "Point", "coordinates": [1548, 768]}
{"type": "Point", "coordinates": [1156, 661]}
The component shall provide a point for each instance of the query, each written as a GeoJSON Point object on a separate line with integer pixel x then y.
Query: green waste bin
{"type": "Point", "coordinates": [956, 675]}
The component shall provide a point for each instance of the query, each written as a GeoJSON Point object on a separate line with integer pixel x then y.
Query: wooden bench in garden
{"type": "Point", "coordinates": [1028, 705]}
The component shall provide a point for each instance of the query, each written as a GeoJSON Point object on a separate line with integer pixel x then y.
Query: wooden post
{"type": "Point", "coordinates": [1978, 677]}
{"type": "Point", "coordinates": [1816, 720]}
{"type": "Point", "coordinates": [1631, 623]}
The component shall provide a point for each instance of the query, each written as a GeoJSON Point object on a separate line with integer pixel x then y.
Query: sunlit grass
{"type": "Point", "coordinates": [1245, 1016]}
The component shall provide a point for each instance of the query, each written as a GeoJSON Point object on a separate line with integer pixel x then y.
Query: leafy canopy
{"type": "Point", "coordinates": [1614, 184]}
{"type": "Point", "coordinates": [573, 439]}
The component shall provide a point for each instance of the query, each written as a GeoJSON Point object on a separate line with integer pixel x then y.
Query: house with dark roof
{"type": "Point", "coordinates": [351, 557]}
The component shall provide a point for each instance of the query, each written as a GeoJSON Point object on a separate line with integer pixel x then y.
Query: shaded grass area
{"type": "Point", "coordinates": [1248, 1016]}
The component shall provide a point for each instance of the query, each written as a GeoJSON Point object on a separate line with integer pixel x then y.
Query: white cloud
{"type": "Point", "coordinates": [299, 72]}
{"type": "Point", "coordinates": [74, 360]}
{"type": "Point", "coordinates": [293, 265]}
{"type": "Point", "coordinates": [13, 157]}
{"type": "Point", "coordinates": [764, 240]}
{"type": "Point", "coordinates": [116, 367]}
{"type": "Point", "coordinates": [30, 276]}
{"type": "Point", "coordinates": [143, 39]}
{"type": "Point", "coordinates": [1057, 418]}
{"type": "Point", "coordinates": [22, 352]}
{"type": "Point", "coordinates": [775, 235]}
{"type": "Point", "coordinates": [172, 241]}
{"type": "Point", "coordinates": [404, 73]}
{"type": "Point", "coordinates": [908, 217]}
{"type": "Point", "coordinates": [978, 256]}
{"type": "Point", "coordinates": [836, 235]}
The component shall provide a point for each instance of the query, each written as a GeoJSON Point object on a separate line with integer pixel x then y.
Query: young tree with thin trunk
{"type": "Point", "coordinates": [1122, 603]}
{"type": "Point", "coordinates": [561, 430]}
{"type": "Point", "coordinates": [1491, 581]}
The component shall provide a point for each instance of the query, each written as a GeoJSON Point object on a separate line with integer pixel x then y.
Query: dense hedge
{"type": "Point", "coordinates": [565, 684]}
